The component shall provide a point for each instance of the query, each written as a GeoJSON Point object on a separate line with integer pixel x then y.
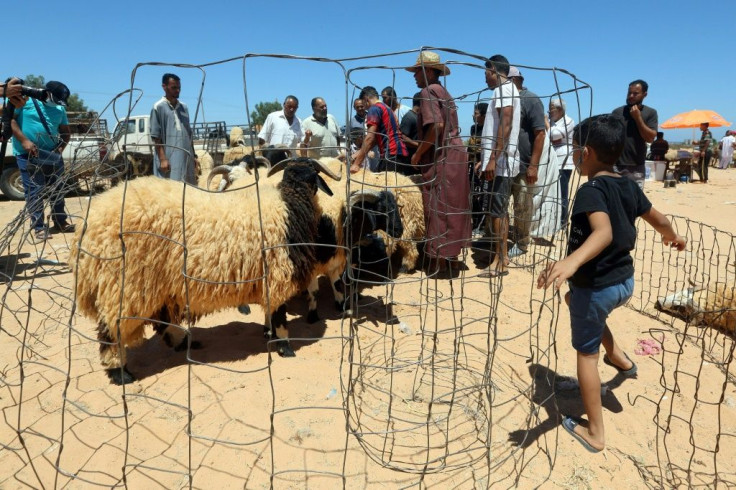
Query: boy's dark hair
{"type": "Point", "coordinates": [417, 100]}
{"type": "Point", "coordinates": [605, 133]}
{"type": "Point", "coordinates": [660, 134]}
{"type": "Point", "coordinates": [167, 76]}
{"type": "Point", "coordinates": [644, 85]}
{"type": "Point", "coordinates": [390, 91]}
{"type": "Point", "coordinates": [368, 91]}
{"type": "Point", "coordinates": [499, 63]}
{"type": "Point", "coordinates": [482, 108]}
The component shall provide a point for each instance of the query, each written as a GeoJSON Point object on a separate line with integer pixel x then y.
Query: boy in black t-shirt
{"type": "Point", "coordinates": [599, 266]}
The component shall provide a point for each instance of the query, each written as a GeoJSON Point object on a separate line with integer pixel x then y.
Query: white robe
{"type": "Point", "coordinates": [726, 151]}
{"type": "Point", "coordinates": [546, 201]}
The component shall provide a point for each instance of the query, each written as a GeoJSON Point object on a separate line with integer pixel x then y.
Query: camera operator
{"type": "Point", "coordinates": [40, 133]}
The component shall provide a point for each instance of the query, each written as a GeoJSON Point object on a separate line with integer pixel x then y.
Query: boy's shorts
{"type": "Point", "coordinates": [589, 309]}
{"type": "Point", "coordinates": [500, 195]}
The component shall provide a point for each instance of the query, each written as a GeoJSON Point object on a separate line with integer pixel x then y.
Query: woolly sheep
{"type": "Point", "coordinates": [206, 164]}
{"type": "Point", "coordinates": [155, 281]}
{"type": "Point", "coordinates": [371, 208]}
{"type": "Point", "coordinates": [707, 307]}
{"type": "Point", "coordinates": [411, 209]}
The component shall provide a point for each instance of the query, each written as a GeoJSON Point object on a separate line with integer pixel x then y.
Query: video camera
{"type": "Point", "coordinates": [55, 92]}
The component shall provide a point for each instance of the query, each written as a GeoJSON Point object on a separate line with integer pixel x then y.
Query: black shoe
{"type": "Point", "coordinates": [64, 227]}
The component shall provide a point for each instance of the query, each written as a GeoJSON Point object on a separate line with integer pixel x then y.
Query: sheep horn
{"type": "Point", "coordinates": [364, 195]}
{"type": "Point", "coordinates": [319, 166]}
{"type": "Point", "coordinates": [219, 170]}
{"type": "Point", "coordinates": [264, 162]}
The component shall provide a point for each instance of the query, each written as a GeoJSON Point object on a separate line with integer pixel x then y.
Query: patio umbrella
{"type": "Point", "coordinates": [692, 119]}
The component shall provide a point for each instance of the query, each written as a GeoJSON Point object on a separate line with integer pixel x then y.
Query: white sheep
{"type": "Point", "coordinates": [714, 307]}
{"type": "Point", "coordinates": [206, 164]}
{"type": "Point", "coordinates": [160, 265]}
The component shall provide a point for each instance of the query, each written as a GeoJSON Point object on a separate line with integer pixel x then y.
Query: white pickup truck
{"type": "Point", "coordinates": [82, 156]}
{"type": "Point", "coordinates": [132, 136]}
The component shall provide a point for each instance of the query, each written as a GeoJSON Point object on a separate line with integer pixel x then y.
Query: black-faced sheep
{"type": "Point", "coordinates": [408, 192]}
{"type": "Point", "coordinates": [160, 265]}
{"type": "Point", "coordinates": [370, 209]}
{"type": "Point", "coordinates": [714, 307]}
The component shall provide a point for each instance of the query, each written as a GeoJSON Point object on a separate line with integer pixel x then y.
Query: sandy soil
{"type": "Point", "coordinates": [464, 391]}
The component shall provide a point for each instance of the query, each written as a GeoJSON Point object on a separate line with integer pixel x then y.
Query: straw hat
{"type": "Point", "coordinates": [429, 59]}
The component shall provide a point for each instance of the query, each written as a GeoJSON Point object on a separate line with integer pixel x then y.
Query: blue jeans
{"type": "Point", "coordinates": [40, 183]}
{"type": "Point", "coordinates": [589, 309]}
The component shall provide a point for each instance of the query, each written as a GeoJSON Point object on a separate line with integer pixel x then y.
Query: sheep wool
{"type": "Point", "coordinates": [181, 253]}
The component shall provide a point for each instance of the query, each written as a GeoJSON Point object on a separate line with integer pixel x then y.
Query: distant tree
{"type": "Point", "coordinates": [73, 104]}
{"type": "Point", "coordinates": [263, 109]}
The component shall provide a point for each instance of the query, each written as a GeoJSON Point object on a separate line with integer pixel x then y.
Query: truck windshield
{"type": "Point", "coordinates": [124, 127]}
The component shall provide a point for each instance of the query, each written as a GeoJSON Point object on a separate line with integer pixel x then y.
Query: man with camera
{"type": "Point", "coordinates": [40, 133]}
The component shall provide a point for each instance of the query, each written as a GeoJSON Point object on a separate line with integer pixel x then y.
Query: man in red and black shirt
{"type": "Point", "coordinates": [381, 129]}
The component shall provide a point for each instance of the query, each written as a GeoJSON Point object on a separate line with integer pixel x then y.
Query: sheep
{"type": "Point", "coordinates": [147, 283]}
{"type": "Point", "coordinates": [707, 307]}
{"type": "Point", "coordinates": [237, 137]}
{"type": "Point", "coordinates": [206, 164]}
{"type": "Point", "coordinates": [411, 209]}
{"type": "Point", "coordinates": [371, 210]}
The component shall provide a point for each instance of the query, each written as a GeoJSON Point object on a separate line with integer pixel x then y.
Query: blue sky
{"type": "Point", "coordinates": [94, 47]}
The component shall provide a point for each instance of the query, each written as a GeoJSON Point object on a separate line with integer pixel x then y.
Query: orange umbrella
{"type": "Point", "coordinates": [693, 119]}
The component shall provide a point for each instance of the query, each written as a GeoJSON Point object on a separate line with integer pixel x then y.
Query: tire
{"type": "Point", "coordinates": [11, 184]}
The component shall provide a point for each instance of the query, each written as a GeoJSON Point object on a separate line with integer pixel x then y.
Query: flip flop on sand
{"type": "Point", "coordinates": [626, 372]}
{"type": "Point", "coordinates": [569, 424]}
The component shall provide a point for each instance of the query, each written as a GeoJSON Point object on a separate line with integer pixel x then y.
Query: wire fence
{"type": "Point", "coordinates": [437, 379]}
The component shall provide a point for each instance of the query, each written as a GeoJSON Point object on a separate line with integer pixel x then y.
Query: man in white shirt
{"type": "Point", "coordinates": [283, 127]}
{"type": "Point", "coordinates": [500, 155]}
{"type": "Point", "coordinates": [321, 132]}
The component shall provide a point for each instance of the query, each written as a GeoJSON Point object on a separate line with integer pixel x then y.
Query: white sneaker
{"type": "Point", "coordinates": [515, 252]}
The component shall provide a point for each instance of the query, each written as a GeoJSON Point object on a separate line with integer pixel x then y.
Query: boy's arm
{"type": "Point", "coordinates": [660, 223]}
{"type": "Point", "coordinates": [557, 273]}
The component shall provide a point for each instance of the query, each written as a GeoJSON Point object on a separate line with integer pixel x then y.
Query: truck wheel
{"type": "Point", "coordinates": [11, 184]}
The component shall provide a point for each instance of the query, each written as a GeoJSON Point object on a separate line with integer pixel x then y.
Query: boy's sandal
{"type": "Point", "coordinates": [626, 372]}
{"type": "Point", "coordinates": [569, 424]}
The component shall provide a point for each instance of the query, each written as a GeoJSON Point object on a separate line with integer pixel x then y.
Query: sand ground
{"type": "Point", "coordinates": [465, 391]}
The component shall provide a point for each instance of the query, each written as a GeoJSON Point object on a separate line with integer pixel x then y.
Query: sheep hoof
{"type": "Point", "coordinates": [312, 316]}
{"type": "Point", "coordinates": [284, 349]}
{"type": "Point", "coordinates": [244, 309]}
{"type": "Point", "coordinates": [120, 376]}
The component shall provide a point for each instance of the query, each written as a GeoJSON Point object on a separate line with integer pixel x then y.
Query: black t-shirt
{"type": "Point", "coordinates": [635, 149]}
{"type": "Point", "coordinates": [532, 118]}
{"type": "Point", "coordinates": [408, 126]}
{"type": "Point", "coordinates": [623, 201]}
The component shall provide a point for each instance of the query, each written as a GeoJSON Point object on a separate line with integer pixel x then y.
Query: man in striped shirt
{"type": "Point", "coordinates": [382, 129]}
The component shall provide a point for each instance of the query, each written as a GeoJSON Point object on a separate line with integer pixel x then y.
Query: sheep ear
{"type": "Point", "coordinates": [322, 185]}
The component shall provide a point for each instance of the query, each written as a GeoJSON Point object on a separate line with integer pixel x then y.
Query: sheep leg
{"type": "Point", "coordinates": [342, 302]}
{"type": "Point", "coordinates": [312, 315]}
{"type": "Point", "coordinates": [112, 357]}
{"type": "Point", "coordinates": [278, 325]}
{"type": "Point", "coordinates": [173, 335]}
